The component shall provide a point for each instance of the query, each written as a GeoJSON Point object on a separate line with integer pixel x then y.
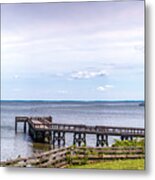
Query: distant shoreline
{"type": "Point", "coordinates": [76, 101]}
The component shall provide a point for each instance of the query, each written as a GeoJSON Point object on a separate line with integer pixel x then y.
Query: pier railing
{"type": "Point", "coordinates": [42, 129]}
{"type": "Point", "coordinates": [91, 129]}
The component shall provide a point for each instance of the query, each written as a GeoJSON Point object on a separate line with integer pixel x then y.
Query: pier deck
{"type": "Point", "coordinates": [42, 129]}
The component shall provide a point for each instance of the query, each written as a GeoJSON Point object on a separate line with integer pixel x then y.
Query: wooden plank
{"type": "Point", "coordinates": [111, 152]}
{"type": "Point", "coordinates": [58, 158]}
{"type": "Point", "coordinates": [104, 157]}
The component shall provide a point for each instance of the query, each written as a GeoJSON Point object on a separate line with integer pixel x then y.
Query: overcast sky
{"type": "Point", "coordinates": [73, 51]}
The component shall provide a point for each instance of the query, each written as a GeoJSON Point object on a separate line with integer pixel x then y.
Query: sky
{"type": "Point", "coordinates": [72, 51]}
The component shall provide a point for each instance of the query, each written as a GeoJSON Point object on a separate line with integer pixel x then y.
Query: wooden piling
{"type": "Point", "coordinates": [15, 126]}
{"type": "Point", "coordinates": [79, 139]}
{"type": "Point", "coordinates": [58, 139]}
{"type": "Point", "coordinates": [22, 119]}
{"type": "Point", "coordinates": [101, 140]}
{"type": "Point", "coordinates": [25, 127]}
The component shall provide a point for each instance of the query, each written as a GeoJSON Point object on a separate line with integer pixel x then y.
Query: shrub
{"type": "Point", "coordinates": [126, 143]}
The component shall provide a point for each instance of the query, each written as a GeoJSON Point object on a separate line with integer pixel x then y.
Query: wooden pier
{"type": "Point", "coordinates": [42, 129]}
{"type": "Point", "coordinates": [21, 119]}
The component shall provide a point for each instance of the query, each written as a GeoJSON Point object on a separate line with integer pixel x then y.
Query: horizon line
{"type": "Point", "coordinates": [45, 100]}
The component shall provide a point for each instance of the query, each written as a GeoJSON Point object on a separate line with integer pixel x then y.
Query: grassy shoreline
{"type": "Point", "coordinates": [123, 155]}
{"type": "Point", "coordinates": [124, 164]}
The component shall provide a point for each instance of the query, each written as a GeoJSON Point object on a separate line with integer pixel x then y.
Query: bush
{"type": "Point", "coordinates": [127, 143]}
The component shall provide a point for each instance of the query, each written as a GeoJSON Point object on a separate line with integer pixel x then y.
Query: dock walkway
{"type": "Point", "coordinates": [42, 129]}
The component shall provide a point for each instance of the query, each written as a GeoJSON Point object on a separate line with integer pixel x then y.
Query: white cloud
{"type": "Point", "coordinates": [108, 86]}
{"type": "Point", "coordinates": [88, 74]}
{"type": "Point", "coordinates": [101, 88]}
{"type": "Point", "coordinates": [104, 88]}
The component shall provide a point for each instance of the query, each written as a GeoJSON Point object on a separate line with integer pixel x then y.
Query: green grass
{"type": "Point", "coordinates": [137, 164]}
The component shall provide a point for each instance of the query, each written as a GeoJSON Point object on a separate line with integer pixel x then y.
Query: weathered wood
{"type": "Point", "coordinates": [116, 131]}
{"type": "Point", "coordinates": [25, 127]}
{"type": "Point", "coordinates": [41, 128]}
{"type": "Point", "coordinates": [59, 158]}
{"type": "Point", "coordinates": [101, 140]}
{"type": "Point", "coordinates": [58, 138]}
{"type": "Point", "coordinates": [15, 126]}
{"type": "Point", "coordinates": [79, 139]}
{"type": "Point", "coordinates": [105, 157]}
{"type": "Point", "coordinates": [21, 119]}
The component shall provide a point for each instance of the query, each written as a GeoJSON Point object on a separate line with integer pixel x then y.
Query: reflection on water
{"type": "Point", "coordinates": [39, 147]}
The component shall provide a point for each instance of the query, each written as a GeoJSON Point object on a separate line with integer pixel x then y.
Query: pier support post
{"type": "Point", "coordinates": [32, 132]}
{"type": "Point", "coordinates": [79, 139]}
{"type": "Point", "coordinates": [126, 138]}
{"type": "Point", "coordinates": [15, 126]}
{"type": "Point", "coordinates": [58, 138]}
{"type": "Point", "coordinates": [47, 136]}
{"type": "Point", "coordinates": [101, 140]}
{"type": "Point", "coordinates": [29, 130]}
{"type": "Point", "coordinates": [131, 138]}
{"type": "Point", "coordinates": [22, 119]}
{"type": "Point", "coordinates": [39, 136]}
{"type": "Point", "coordinates": [25, 126]}
{"type": "Point", "coordinates": [122, 138]}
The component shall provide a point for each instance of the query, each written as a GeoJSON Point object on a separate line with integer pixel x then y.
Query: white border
{"type": "Point", "coordinates": [40, 174]}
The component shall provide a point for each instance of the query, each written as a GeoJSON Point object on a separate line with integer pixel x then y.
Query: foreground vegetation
{"type": "Point", "coordinates": [126, 154]}
{"type": "Point", "coordinates": [127, 143]}
{"type": "Point", "coordinates": [130, 164]}
{"type": "Point", "coordinates": [137, 164]}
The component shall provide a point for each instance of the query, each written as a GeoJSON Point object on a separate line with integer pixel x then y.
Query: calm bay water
{"type": "Point", "coordinates": [128, 114]}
